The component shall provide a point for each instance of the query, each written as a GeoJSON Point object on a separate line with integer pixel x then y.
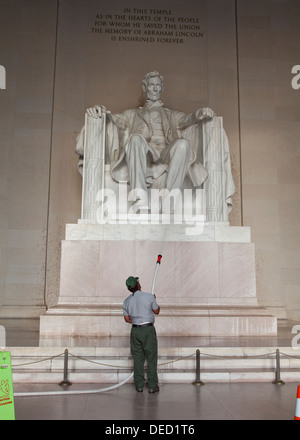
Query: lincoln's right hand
{"type": "Point", "coordinates": [97, 111]}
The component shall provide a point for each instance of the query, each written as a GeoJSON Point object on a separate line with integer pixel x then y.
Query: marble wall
{"type": "Point", "coordinates": [268, 48]}
{"type": "Point", "coordinates": [27, 51]}
{"type": "Point", "coordinates": [56, 67]}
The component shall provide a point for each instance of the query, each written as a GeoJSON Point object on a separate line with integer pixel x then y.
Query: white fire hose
{"type": "Point", "coordinates": [67, 393]}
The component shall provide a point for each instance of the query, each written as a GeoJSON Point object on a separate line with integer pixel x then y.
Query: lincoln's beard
{"type": "Point", "coordinates": [153, 96]}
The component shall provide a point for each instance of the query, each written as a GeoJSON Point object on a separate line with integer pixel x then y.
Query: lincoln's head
{"type": "Point", "coordinates": [153, 85]}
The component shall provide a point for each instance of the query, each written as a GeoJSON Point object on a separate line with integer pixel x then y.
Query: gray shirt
{"type": "Point", "coordinates": [139, 306]}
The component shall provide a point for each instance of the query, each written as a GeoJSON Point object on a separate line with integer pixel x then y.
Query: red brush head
{"type": "Point", "coordinates": [159, 257]}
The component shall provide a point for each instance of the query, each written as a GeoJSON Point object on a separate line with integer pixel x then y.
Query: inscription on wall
{"type": "Point", "coordinates": [147, 26]}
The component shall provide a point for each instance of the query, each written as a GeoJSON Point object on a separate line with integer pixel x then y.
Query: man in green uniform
{"type": "Point", "coordinates": [138, 310]}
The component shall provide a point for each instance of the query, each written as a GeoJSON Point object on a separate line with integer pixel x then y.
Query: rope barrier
{"type": "Point", "coordinates": [120, 367]}
{"type": "Point", "coordinates": [36, 362]}
{"type": "Point", "coordinates": [126, 368]}
{"type": "Point", "coordinates": [164, 363]}
{"type": "Point", "coordinates": [177, 360]}
{"type": "Point", "coordinates": [289, 355]}
{"type": "Point", "coordinates": [239, 357]}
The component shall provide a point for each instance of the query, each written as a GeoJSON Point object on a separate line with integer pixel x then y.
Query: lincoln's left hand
{"type": "Point", "coordinates": [205, 113]}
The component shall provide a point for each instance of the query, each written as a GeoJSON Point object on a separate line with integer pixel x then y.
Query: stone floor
{"type": "Point", "coordinates": [175, 402]}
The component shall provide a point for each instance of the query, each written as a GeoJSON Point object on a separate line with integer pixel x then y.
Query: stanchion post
{"type": "Point", "coordinates": [277, 380]}
{"type": "Point", "coordinates": [65, 381]}
{"type": "Point", "coordinates": [197, 381]}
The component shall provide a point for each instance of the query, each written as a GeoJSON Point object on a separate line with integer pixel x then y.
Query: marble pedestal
{"type": "Point", "coordinates": [205, 285]}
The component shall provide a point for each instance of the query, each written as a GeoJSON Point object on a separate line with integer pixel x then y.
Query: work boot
{"type": "Point", "coordinates": [153, 390]}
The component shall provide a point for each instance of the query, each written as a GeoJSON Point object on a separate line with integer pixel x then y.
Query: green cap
{"type": "Point", "coordinates": [131, 281]}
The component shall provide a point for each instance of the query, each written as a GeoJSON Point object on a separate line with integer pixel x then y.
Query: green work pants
{"type": "Point", "coordinates": [143, 344]}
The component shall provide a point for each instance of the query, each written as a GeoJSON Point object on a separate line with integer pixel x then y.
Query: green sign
{"type": "Point", "coordinates": [7, 408]}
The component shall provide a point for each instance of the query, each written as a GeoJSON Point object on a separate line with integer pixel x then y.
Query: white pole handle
{"type": "Point", "coordinates": [159, 257]}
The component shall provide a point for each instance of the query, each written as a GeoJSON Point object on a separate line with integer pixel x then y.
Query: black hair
{"type": "Point", "coordinates": [133, 289]}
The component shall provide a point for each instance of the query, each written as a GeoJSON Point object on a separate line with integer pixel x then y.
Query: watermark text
{"type": "Point", "coordinates": [157, 206]}
{"type": "Point", "coordinates": [296, 339]}
{"type": "Point", "coordinates": [296, 78]}
{"type": "Point", "coordinates": [2, 77]}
